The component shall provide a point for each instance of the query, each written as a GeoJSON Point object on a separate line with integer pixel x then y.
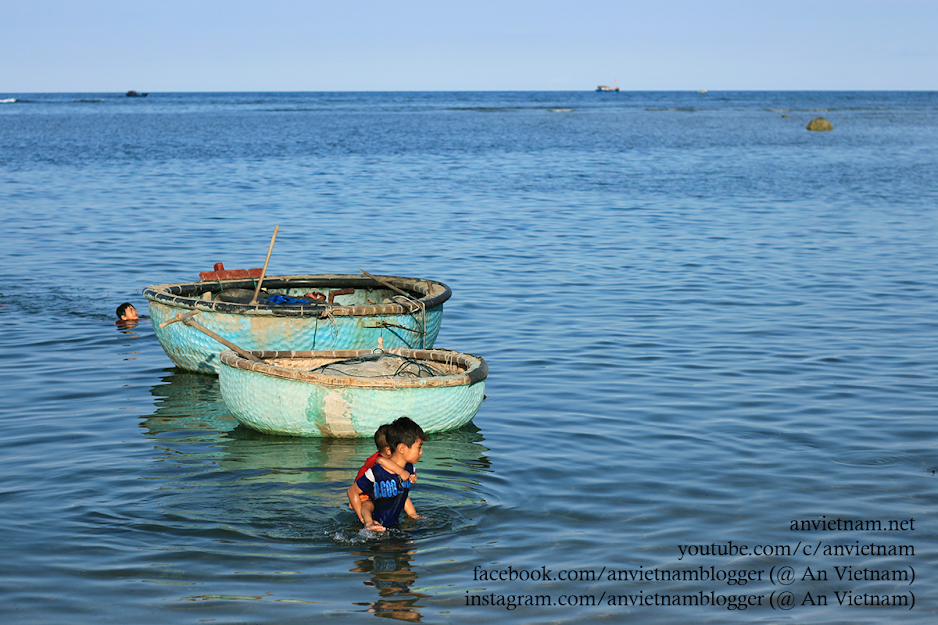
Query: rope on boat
{"type": "Point", "coordinates": [414, 305]}
{"type": "Point", "coordinates": [381, 365]}
{"type": "Point", "coordinates": [330, 317]}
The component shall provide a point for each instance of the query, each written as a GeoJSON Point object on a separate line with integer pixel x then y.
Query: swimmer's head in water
{"type": "Point", "coordinates": [126, 312]}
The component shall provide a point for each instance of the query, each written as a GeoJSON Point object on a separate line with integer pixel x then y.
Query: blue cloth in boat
{"type": "Point", "coordinates": [284, 299]}
{"type": "Point", "coordinates": [387, 491]}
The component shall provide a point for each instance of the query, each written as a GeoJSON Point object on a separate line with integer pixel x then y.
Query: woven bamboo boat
{"type": "Point", "coordinates": [294, 393]}
{"type": "Point", "coordinates": [354, 312]}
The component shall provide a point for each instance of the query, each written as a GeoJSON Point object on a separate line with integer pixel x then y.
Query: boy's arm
{"type": "Point", "coordinates": [411, 510]}
{"type": "Point", "coordinates": [390, 467]}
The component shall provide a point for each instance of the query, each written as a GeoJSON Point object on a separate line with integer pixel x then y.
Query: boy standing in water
{"type": "Point", "coordinates": [383, 458]}
{"type": "Point", "coordinates": [388, 493]}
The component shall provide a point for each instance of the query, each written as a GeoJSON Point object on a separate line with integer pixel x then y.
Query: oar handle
{"type": "Point", "coordinates": [387, 284]}
{"type": "Point", "coordinates": [189, 321]}
{"type": "Point", "coordinates": [264, 270]}
{"type": "Point", "coordinates": [175, 319]}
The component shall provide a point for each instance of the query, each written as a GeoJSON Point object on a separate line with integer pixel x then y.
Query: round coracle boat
{"type": "Point", "coordinates": [295, 312]}
{"type": "Point", "coordinates": [350, 393]}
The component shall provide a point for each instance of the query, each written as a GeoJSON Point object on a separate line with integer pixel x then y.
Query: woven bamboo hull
{"type": "Point", "coordinates": [276, 399]}
{"type": "Point", "coordinates": [351, 323]}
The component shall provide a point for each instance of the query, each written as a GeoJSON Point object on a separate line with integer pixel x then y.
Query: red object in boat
{"type": "Point", "coordinates": [220, 273]}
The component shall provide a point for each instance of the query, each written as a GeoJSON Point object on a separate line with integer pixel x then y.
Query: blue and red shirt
{"type": "Point", "coordinates": [388, 492]}
{"type": "Point", "coordinates": [368, 464]}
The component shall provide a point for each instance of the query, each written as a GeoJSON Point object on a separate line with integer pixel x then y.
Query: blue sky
{"type": "Point", "coordinates": [417, 45]}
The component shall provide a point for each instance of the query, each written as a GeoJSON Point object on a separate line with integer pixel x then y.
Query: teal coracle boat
{"type": "Point", "coordinates": [296, 312]}
{"type": "Point", "coordinates": [307, 393]}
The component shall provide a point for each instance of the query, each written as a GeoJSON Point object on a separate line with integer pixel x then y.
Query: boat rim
{"type": "Point", "coordinates": [476, 369]}
{"type": "Point", "coordinates": [434, 293]}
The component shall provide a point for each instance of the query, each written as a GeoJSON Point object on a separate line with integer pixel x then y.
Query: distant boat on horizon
{"type": "Point", "coordinates": [606, 88]}
{"type": "Point", "coordinates": [134, 94]}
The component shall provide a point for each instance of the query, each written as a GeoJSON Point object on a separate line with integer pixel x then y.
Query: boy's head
{"type": "Point", "coordinates": [381, 440]}
{"type": "Point", "coordinates": [126, 311]}
{"type": "Point", "coordinates": [404, 431]}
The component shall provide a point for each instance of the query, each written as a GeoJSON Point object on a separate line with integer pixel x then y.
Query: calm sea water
{"type": "Point", "coordinates": [703, 323]}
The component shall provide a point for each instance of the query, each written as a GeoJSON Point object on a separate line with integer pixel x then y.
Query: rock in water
{"type": "Point", "coordinates": [820, 124]}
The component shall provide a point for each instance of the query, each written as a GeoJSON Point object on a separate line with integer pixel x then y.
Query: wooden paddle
{"type": "Point", "coordinates": [264, 270]}
{"type": "Point", "coordinates": [387, 284]}
{"type": "Point", "coordinates": [189, 321]}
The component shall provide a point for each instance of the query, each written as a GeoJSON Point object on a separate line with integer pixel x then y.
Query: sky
{"type": "Point", "coordinates": [474, 45]}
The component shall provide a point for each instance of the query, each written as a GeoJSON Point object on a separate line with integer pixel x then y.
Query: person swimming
{"type": "Point", "coordinates": [126, 312]}
{"type": "Point", "coordinates": [127, 315]}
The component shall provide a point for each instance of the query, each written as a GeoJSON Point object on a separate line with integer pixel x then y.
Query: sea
{"type": "Point", "coordinates": [712, 339]}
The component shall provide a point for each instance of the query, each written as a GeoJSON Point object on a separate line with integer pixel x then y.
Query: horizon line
{"type": "Point", "coordinates": [591, 90]}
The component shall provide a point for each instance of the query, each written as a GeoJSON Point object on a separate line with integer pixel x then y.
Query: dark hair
{"type": "Point", "coordinates": [406, 431]}
{"type": "Point", "coordinates": [123, 308]}
{"type": "Point", "coordinates": [381, 437]}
